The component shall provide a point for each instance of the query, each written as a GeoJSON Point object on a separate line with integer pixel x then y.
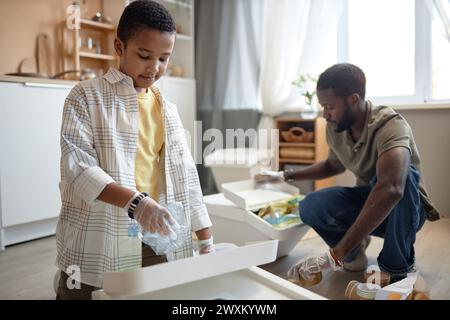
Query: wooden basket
{"type": "Point", "coordinates": [297, 153]}
{"type": "Point", "coordinates": [297, 134]}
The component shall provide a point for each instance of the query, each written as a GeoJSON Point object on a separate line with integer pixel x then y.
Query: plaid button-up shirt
{"type": "Point", "coordinates": [98, 146]}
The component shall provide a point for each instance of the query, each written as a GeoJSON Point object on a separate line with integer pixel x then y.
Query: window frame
{"type": "Point", "coordinates": [423, 56]}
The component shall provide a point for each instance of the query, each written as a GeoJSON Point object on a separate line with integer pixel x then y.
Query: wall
{"type": "Point", "coordinates": [22, 20]}
{"type": "Point", "coordinates": [431, 129]}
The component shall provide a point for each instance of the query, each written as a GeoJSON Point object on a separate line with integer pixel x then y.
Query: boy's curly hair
{"type": "Point", "coordinates": [144, 14]}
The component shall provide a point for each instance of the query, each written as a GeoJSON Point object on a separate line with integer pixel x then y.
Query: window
{"type": "Point", "coordinates": [402, 47]}
{"type": "Point", "coordinates": [440, 53]}
{"type": "Point", "coordinates": [384, 52]}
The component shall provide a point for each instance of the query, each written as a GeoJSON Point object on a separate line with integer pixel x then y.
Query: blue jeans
{"type": "Point", "coordinates": [331, 212]}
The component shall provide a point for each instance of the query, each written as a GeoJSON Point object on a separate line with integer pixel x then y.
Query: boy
{"type": "Point", "coordinates": [123, 153]}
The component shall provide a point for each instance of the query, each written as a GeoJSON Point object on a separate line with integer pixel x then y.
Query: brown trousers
{"type": "Point", "coordinates": [149, 258]}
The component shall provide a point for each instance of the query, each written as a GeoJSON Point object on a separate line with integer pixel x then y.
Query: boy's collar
{"type": "Point", "coordinates": [113, 75]}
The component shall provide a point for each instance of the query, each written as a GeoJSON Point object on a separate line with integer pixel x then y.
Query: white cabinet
{"type": "Point", "coordinates": [181, 92]}
{"type": "Point", "coordinates": [30, 122]}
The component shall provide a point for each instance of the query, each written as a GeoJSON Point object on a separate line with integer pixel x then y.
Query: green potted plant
{"type": "Point", "coordinates": [307, 86]}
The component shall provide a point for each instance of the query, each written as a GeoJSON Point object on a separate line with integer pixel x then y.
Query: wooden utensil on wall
{"type": "Point", "coordinates": [43, 54]}
{"type": "Point", "coordinates": [28, 65]}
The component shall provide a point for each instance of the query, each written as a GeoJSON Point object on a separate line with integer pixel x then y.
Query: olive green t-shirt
{"type": "Point", "coordinates": [384, 129]}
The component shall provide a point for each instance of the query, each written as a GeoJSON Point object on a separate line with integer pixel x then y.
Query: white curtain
{"type": "Point", "coordinates": [294, 37]}
{"type": "Point", "coordinates": [443, 9]}
{"type": "Point", "coordinates": [227, 68]}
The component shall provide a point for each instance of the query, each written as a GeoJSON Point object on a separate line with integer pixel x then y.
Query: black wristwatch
{"type": "Point", "coordinates": [289, 175]}
{"type": "Point", "coordinates": [135, 203]}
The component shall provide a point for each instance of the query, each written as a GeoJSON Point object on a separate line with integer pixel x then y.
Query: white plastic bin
{"type": "Point", "coordinates": [234, 164]}
{"type": "Point", "coordinates": [233, 221]}
{"type": "Point", "coordinates": [229, 273]}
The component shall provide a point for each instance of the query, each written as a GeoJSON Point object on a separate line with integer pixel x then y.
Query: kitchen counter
{"type": "Point", "coordinates": [37, 81]}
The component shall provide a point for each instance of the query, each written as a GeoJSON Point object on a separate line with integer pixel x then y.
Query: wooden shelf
{"type": "Point", "coordinates": [97, 25]}
{"type": "Point", "coordinates": [287, 160]}
{"type": "Point", "coordinates": [297, 144]}
{"type": "Point", "coordinates": [97, 56]}
{"type": "Point", "coordinates": [319, 146]}
{"type": "Point", "coordinates": [82, 57]}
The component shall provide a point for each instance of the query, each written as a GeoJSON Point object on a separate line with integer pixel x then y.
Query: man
{"type": "Point", "coordinates": [389, 199]}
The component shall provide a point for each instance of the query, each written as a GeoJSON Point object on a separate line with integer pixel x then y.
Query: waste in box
{"type": "Point", "coordinates": [228, 273]}
{"type": "Point", "coordinates": [234, 221]}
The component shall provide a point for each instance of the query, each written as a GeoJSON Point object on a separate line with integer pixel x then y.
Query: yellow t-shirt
{"type": "Point", "coordinates": [150, 143]}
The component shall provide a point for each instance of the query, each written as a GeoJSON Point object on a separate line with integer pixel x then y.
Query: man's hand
{"type": "Point", "coordinates": [307, 266]}
{"type": "Point", "coordinates": [152, 217]}
{"type": "Point", "coordinates": [269, 176]}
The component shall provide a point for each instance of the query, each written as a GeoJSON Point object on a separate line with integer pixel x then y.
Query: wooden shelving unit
{"type": "Point", "coordinates": [314, 146]}
{"type": "Point", "coordinates": [96, 25]}
{"type": "Point", "coordinates": [292, 160]}
{"type": "Point", "coordinates": [79, 56]}
{"type": "Point", "coordinates": [96, 56]}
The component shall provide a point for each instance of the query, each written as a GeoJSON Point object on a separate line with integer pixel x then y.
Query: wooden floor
{"type": "Point", "coordinates": [27, 270]}
{"type": "Point", "coordinates": [432, 260]}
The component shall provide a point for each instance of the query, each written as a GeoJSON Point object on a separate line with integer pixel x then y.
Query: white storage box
{"type": "Point", "coordinates": [234, 222]}
{"type": "Point", "coordinates": [229, 273]}
{"type": "Point", "coordinates": [234, 164]}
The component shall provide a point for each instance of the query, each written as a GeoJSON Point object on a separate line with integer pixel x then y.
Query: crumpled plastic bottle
{"type": "Point", "coordinates": [166, 244]}
{"type": "Point", "coordinates": [281, 221]}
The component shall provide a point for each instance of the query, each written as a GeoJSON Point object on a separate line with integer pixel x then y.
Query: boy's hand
{"type": "Point", "coordinates": [206, 246]}
{"type": "Point", "coordinates": [150, 215]}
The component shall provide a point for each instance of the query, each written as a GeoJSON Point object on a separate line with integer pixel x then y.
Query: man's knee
{"type": "Point", "coordinates": [314, 205]}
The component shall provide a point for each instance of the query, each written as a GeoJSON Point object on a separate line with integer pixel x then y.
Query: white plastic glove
{"type": "Point", "coordinates": [267, 175]}
{"type": "Point", "coordinates": [206, 246]}
{"type": "Point", "coordinates": [307, 266]}
{"type": "Point", "coordinates": [151, 216]}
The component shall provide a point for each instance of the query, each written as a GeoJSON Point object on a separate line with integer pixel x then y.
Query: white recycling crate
{"type": "Point", "coordinates": [229, 273]}
{"type": "Point", "coordinates": [233, 221]}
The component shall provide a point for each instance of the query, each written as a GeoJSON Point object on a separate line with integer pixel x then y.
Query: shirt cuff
{"type": "Point", "coordinates": [200, 218]}
{"type": "Point", "coordinates": [91, 183]}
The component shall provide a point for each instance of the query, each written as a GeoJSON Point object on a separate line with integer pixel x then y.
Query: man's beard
{"type": "Point", "coordinates": [347, 120]}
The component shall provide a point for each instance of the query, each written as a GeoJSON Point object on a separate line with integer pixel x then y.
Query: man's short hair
{"type": "Point", "coordinates": [345, 79]}
{"type": "Point", "coordinates": [144, 14]}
